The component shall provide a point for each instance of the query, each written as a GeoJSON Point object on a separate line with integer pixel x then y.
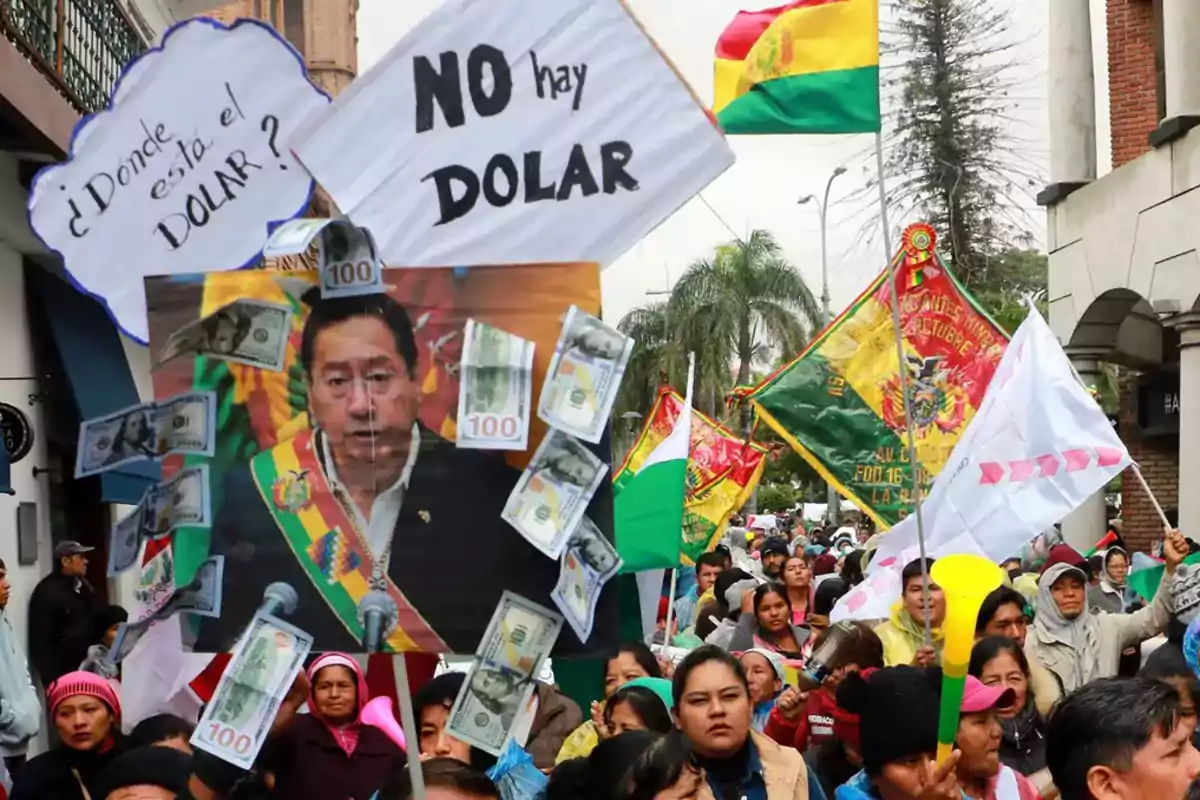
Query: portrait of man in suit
{"type": "Point", "coordinates": [366, 500]}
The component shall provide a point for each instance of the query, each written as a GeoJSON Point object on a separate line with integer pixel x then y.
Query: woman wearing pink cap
{"type": "Point", "coordinates": [328, 752]}
{"type": "Point", "coordinates": [87, 714]}
{"type": "Point", "coordinates": [980, 773]}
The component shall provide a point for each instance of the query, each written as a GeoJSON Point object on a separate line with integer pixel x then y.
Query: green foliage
{"type": "Point", "coordinates": [778, 496]}
{"type": "Point", "coordinates": [1008, 281]}
{"type": "Point", "coordinates": [739, 306]}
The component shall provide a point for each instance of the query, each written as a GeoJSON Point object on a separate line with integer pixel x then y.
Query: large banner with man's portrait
{"type": "Point", "coordinates": [335, 469]}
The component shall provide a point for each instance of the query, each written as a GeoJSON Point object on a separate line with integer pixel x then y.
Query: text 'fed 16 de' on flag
{"type": "Point", "coordinates": [839, 404]}
{"type": "Point", "coordinates": [810, 66]}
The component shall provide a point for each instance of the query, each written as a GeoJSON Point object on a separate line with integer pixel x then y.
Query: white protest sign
{"type": "Point", "coordinates": [183, 171]}
{"type": "Point", "coordinates": [512, 131]}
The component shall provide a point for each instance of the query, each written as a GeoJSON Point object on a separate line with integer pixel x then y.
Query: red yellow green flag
{"type": "Point", "coordinates": [810, 66]}
{"type": "Point", "coordinates": [722, 471]}
{"type": "Point", "coordinates": [839, 402]}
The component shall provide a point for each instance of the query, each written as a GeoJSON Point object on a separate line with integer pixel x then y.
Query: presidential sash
{"type": "Point", "coordinates": [327, 543]}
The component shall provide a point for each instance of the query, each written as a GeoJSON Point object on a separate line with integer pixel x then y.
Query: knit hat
{"type": "Point", "coordinates": [1065, 554]}
{"type": "Point", "coordinates": [846, 723]}
{"type": "Point", "coordinates": [824, 564]}
{"type": "Point", "coordinates": [898, 711]}
{"type": "Point", "coordinates": [85, 683]}
{"type": "Point", "coordinates": [774, 659]}
{"type": "Point", "coordinates": [145, 766]}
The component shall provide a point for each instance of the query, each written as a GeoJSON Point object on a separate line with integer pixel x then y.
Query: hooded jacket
{"type": "Point", "coordinates": [902, 636]}
{"type": "Point", "coordinates": [20, 711]}
{"type": "Point", "coordinates": [1088, 647]}
{"type": "Point", "coordinates": [315, 758]}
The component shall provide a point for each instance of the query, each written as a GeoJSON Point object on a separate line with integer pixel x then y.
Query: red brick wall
{"type": "Point", "coordinates": [1132, 77]}
{"type": "Point", "coordinates": [1159, 460]}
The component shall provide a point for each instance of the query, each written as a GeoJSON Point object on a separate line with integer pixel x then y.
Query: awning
{"type": "Point", "coordinates": [90, 351]}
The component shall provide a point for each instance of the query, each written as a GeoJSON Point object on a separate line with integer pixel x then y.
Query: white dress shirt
{"type": "Point", "coordinates": [385, 510]}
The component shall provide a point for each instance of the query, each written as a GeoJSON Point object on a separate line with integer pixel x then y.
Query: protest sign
{"type": "Point", "coordinates": [515, 131]}
{"type": "Point", "coordinates": [184, 169]}
{"type": "Point", "coordinates": [438, 548]}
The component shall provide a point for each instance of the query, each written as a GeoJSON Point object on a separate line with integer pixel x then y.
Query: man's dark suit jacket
{"type": "Point", "coordinates": [451, 568]}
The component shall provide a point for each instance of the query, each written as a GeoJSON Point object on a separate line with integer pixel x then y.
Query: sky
{"type": "Point", "coordinates": [772, 172]}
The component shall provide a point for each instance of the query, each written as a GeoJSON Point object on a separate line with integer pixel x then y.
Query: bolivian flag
{"type": "Point", "coordinates": [810, 66]}
{"type": "Point", "coordinates": [840, 405]}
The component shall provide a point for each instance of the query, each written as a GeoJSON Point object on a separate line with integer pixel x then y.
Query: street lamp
{"type": "Point", "coordinates": [822, 207]}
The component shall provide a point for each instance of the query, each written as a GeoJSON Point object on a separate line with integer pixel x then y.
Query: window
{"type": "Point", "coordinates": [293, 23]}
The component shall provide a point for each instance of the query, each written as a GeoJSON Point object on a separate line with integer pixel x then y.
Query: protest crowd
{"type": "Point", "coordinates": [388, 543]}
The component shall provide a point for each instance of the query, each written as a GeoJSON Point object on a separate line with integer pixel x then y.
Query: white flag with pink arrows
{"type": "Point", "coordinates": [1036, 449]}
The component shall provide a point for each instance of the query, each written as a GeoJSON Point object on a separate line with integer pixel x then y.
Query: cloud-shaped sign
{"type": "Point", "coordinates": [185, 168]}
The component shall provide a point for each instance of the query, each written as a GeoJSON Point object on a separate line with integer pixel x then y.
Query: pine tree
{"type": "Point", "coordinates": [952, 155]}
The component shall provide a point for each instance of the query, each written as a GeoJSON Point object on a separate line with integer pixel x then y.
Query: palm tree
{"type": "Point", "coordinates": [740, 305]}
{"type": "Point", "coordinates": [745, 303]}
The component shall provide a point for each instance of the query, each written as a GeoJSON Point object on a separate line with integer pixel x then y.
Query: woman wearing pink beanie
{"type": "Point", "coordinates": [87, 715]}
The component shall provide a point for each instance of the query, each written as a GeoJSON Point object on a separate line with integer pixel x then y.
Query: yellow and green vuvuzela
{"type": "Point", "coordinates": [810, 66]}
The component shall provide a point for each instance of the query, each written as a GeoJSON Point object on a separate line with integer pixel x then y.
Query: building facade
{"type": "Point", "coordinates": [1124, 281]}
{"type": "Point", "coordinates": [62, 360]}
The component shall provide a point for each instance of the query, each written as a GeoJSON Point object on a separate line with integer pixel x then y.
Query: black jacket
{"type": "Point", "coordinates": [1023, 742]}
{"type": "Point", "coordinates": [452, 556]}
{"type": "Point", "coordinates": [308, 763]}
{"type": "Point", "coordinates": [50, 774]}
{"type": "Point", "coordinates": [60, 623]}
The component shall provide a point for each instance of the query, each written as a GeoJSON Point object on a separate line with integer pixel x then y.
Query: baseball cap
{"type": "Point", "coordinates": [70, 548]}
{"type": "Point", "coordinates": [774, 546]}
{"type": "Point", "coordinates": [979, 697]}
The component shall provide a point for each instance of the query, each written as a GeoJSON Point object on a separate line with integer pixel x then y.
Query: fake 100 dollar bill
{"type": "Point", "coordinates": [584, 376]}
{"type": "Point", "coordinates": [347, 256]}
{"type": "Point", "coordinates": [267, 659]}
{"type": "Point", "coordinates": [494, 390]}
{"type": "Point", "coordinates": [553, 492]}
{"type": "Point", "coordinates": [514, 647]}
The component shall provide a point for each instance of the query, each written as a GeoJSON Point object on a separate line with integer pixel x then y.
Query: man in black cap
{"type": "Point", "coordinates": [774, 552]}
{"type": "Point", "coordinates": [60, 614]}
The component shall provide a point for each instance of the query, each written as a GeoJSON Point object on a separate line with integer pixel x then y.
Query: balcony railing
{"type": "Point", "coordinates": [81, 45]}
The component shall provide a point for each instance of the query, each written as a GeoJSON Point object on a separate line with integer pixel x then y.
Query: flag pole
{"type": "Point", "coordinates": [687, 398]}
{"type": "Point", "coordinates": [408, 722]}
{"type": "Point", "coordinates": [1146, 488]}
{"type": "Point", "coordinates": [670, 608]}
{"type": "Point", "coordinates": [902, 370]}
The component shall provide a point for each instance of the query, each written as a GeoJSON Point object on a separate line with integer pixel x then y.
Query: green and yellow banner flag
{"type": "Point", "coordinates": [810, 66]}
{"type": "Point", "coordinates": [839, 403]}
{"type": "Point", "coordinates": [722, 471]}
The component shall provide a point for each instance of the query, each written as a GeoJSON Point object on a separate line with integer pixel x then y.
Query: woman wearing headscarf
{"type": "Point", "coordinates": [1109, 594]}
{"type": "Point", "coordinates": [329, 752]}
{"type": "Point", "coordinates": [87, 715]}
{"type": "Point", "coordinates": [1077, 645]}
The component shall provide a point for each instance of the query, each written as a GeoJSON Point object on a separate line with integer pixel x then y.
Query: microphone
{"type": "Point", "coordinates": [377, 613]}
{"type": "Point", "coordinates": [279, 599]}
